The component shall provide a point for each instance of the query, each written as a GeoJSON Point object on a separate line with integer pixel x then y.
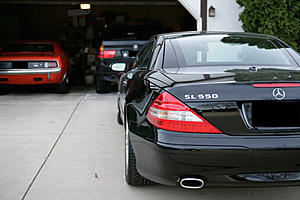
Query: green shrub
{"type": "Point", "coordinates": [280, 18]}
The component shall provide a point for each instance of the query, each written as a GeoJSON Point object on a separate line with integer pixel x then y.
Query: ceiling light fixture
{"type": "Point", "coordinates": [85, 6]}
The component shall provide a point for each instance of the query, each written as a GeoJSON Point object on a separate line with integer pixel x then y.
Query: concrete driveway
{"type": "Point", "coordinates": [63, 147]}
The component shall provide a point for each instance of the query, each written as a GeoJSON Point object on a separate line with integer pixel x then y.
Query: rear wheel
{"type": "Point", "coordinates": [3, 90]}
{"type": "Point", "coordinates": [120, 121]}
{"type": "Point", "coordinates": [63, 88]}
{"type": "Point", "coordinates": [132, 176]}
{"type": "Point", "coordinates": [101, 86]}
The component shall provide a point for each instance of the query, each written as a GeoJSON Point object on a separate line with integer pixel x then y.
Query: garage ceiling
{"type": "Point", "coordinates": [93, 2]}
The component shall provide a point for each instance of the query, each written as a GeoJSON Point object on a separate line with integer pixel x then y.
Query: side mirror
{"type": "Point", "coordinates": [119, 67]}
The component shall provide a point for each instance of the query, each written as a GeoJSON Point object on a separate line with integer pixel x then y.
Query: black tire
{"type": "Point", "coordinates": [132, 176]}
{"type": "Point", "coordinates": [3, 90]}
{"type": "Point", "coordinates": [63, 88]}
{"type": "Point", "coordinates": [101, 86]}
{"type": "Point", "coordinates": [120, 121]}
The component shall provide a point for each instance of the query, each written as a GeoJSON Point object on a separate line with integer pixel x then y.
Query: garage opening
{"type": "Point", "coordinates": [80, 31]}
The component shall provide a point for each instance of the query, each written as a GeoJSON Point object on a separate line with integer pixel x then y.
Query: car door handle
{"type": "Point", "coordinates": [125, 83]}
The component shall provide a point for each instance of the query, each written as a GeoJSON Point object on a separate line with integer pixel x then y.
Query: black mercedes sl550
{"type": "Point", "coordinates": [212, 109]}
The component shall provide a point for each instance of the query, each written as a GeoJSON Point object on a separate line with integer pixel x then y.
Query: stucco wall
{"type": "Point", "coordinates": [227, 14]}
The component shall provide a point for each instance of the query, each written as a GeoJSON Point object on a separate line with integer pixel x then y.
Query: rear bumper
{"type": "Point", "coordinates": [105, 73]}
{"type": "Point", "coordinates": [30, 71]}
{"type": "Point", "coordinates": [31, 76]}
{"type": "Point", "coordinates": [218, 159]}
{"type": "Point", "coordinates": [108, 76]}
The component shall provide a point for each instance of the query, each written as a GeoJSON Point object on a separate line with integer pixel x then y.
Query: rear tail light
{"type": "Point", "coordinates": [167, 112]}
{"type": "Point", "coordinates": [48, 64]}
{"type": "Point", "coordinates": [5, 65]}
{"type": "Point", "coordinates": [133, 65]}
{"type": "Point", "coordinates": [106, 53]}
{"type": "Point", "coordinates": [52, 64]}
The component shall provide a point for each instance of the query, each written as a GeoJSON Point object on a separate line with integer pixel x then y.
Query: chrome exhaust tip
{"type": "Point", "coordinates": [192, 183]}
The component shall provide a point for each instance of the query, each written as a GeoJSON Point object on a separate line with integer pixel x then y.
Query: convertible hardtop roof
{"type": "Point", "coordinates": [190, 33]}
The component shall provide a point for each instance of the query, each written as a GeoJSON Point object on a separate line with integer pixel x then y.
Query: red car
{"type": "Point", "coordinates": [34, 63]}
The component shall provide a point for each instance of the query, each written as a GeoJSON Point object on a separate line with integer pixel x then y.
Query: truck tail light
{"type": "Point", "coordinates": [106, 53]}
{"type": "Point", "coordinates": [167, 112]}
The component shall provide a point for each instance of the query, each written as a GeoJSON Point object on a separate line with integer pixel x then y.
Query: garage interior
{"type": "Point", "coordinates": [69, 146]}
{"type": "Point", "coordinates": [79, 31]}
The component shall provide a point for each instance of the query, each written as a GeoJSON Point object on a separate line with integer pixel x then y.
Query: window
{"type": "Point", "coordinates": [28, 47]}
{"type": "Point", "coordinates": [144, 57]}
{"type": "Point", "coordinates": [155, 54]}
{"type": "Point", "coordinates": [215, 50]}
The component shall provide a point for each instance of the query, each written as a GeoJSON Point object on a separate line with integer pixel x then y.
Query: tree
{"type": "Point", "coordinates": [280, 18]}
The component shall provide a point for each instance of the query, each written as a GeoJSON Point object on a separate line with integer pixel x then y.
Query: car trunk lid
{"type": "Point", "coordinates": [124, 49]}
{"type": "Point", "coordinates": [235, 104]}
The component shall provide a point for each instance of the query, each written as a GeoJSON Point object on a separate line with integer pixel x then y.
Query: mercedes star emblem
{"type": "Point", "coordinates": [278, 93]}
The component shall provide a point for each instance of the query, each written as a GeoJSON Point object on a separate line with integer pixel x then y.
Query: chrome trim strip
{"type": "Point", "coordinates": [29, 71]}
{"type": "Point", "coordinates": [245, 118]}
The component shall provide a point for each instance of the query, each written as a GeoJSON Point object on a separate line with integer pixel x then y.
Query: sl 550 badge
{"type": "Point", "coordinates": [200, 96]}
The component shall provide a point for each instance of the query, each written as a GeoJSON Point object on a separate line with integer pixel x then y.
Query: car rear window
{"type": "Point", "coordinates": [216, 50]}
{"type": "Point", "coordinates": [28, 47]}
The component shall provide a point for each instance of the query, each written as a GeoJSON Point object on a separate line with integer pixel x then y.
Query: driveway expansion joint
{"type": "Point", "coordinates": [54, 145]}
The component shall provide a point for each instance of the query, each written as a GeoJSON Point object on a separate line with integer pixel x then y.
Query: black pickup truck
{"type": "Point", "coordinates": [120, 44]}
